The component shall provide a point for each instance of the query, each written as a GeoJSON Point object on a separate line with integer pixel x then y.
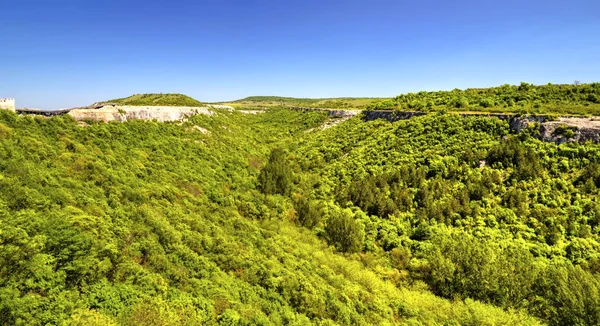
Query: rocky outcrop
{"type": "Point", "coordinates": [332, 112]}
{"type": "Point", "coordinates": [251, 111]}
{"type": "Point", "coordinates": [108, 113]}
{"type": "Point", "coordinates": [344, 113]}
{"type": "Point", "coordinates": [390, 115]}
{"type": "Point", "coordinates": [571, 130]}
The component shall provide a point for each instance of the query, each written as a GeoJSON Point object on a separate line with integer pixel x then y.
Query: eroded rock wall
{"type": "Point", "coordinates": [125, 113]}
{"type": "Point", "coordinates": [571, 130]}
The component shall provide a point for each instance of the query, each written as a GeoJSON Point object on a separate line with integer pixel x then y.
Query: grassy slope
{"type": "Point", "coordinates": [159, 223]}
{"type": "Point", "coordinates": [277, 101]}
{"type": "Point", "coordinates": [157, 100]}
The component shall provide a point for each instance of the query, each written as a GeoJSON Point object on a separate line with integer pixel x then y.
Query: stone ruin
{"type": "Point", "coordinates": [7, 104]}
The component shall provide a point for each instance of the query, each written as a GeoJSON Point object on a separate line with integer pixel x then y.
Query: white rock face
{"type": "Point", "coordinates": [571, 129]}
{"type": "Point", "coordinates": [124, 113]}
{"type": "Point", "coordinates": [202, 130]}
{"type": "Point", "coordinates": [252, 111]}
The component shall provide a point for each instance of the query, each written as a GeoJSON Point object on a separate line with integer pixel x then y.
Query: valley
{"type": "Point", "coordinates": [298, 217]}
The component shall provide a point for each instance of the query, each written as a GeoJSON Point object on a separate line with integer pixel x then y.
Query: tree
{"type": "Point", "coordinates": [344, 232]}
{"type": "Point", "coordinates": [525, 86]}
{"type": "Point", "coordinates": [277, 176]}
{"type": "Point", "coordinates": [309, 213]}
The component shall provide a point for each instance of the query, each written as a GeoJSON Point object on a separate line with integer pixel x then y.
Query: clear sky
{"type": "Point", "coordinates": [65, 53]}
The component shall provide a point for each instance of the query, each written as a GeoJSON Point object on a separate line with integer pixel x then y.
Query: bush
{"type": "Point", "coordinates": [344, 232]}
{"type": "Point", "coordinates": [486, 103]}
{"type": "Point", "coordinates": [460, 102]}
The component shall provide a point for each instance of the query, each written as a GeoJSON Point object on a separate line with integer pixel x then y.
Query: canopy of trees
{"type": "Point", "coordinates": [146, 223]}
{"type": "Point", "coordinates": [579, 99]}
{"type": "Point", "coordinates": [266, 220]}
{"type": "Point", "coordinates": [467, 208]}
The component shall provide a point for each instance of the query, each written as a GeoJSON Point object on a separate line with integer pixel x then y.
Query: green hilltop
{"type": "Point", "coordinates": [157, 100]}
{"type": "Point", "coordinates": [578, 99]}
{"type": "Point", "coordinates": [525, 98]}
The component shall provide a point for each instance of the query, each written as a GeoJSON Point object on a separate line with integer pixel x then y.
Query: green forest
{"type": "Point", "coordinates": [267, 219]}
{"type": "Point", "coordinates": [576, 99]}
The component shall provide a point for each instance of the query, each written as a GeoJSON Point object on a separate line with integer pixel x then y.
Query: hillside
{"type": "Point", "coordinates": [581, 99]}
{"type": "Point", "coordinates": [146, 223]}
{"type": "Point", "coordinates": [157, 100]}
{"type": "Point", "coordinates": [257, 102]}
{"type": "Point", "coordinates": [463, 206]}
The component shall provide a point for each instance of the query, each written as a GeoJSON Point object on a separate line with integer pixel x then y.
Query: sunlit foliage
{"type": "Point", "coordinates": [468, 208]}
{"type": "Point", "coordinates": [525, 98]}
{"type": "Point", "coordinates": [146, 223]}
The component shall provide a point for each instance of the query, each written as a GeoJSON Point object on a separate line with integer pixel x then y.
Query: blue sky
{"type": "Point", "coordinates": [66, 53]}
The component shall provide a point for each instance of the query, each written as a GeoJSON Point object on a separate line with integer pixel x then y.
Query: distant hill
{"type": "Point", "coordinates": [274, 98]}
{"type": "Point", "coordinates": [329, 103]}
{"type": "Point", "coordinates": [157, 100]}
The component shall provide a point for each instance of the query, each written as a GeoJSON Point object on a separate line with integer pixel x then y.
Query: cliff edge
{"type": "Point", "coordinates": [119, 113]}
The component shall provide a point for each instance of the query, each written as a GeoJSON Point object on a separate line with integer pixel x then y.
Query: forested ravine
{"type": "Point", "coordinates": [265, 219]}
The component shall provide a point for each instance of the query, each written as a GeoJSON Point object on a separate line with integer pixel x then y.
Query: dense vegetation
{"type": "Point", "coordinates": [157, 100]}
{"type": "Point", "coordinates": [463, 206]}
{"type": "Point", "coordinates": [260, 102]}
{"type": "Point", "coordinates": [580, 99]}
{"type": "Point", "coordinates": [146, 223]}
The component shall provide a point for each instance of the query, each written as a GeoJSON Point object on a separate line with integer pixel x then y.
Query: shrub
{"type": "Point", "coordinates": [486, 103]}
{"type": "Point", "coordinates": [344, 232]}
{"type": "Point", "coordinates": [460, 102]}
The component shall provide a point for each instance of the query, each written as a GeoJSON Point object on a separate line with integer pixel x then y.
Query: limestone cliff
{"type": "Point", "coordinates": [571, 130]}
{"type": "Point", "coordinates": [124, 113]}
